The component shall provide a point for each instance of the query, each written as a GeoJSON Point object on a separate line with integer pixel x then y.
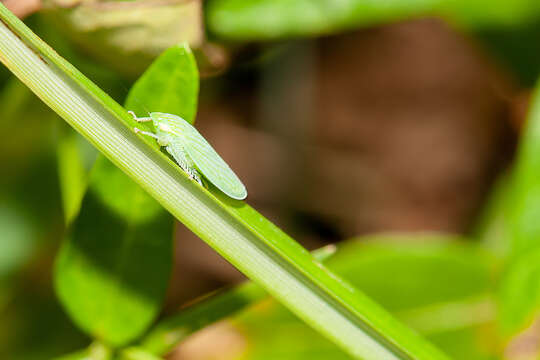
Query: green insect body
{"type": "Point", "coordinates": [193, 153]}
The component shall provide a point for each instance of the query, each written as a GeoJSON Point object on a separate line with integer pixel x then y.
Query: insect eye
{"type": "Point", "coordinates": [164, 127]}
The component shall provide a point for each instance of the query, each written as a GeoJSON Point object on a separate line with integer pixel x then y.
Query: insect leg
{"type": "Point", "coordinates": [185, 163]}
{"type": "Point", "coordinates": [179, 156]}
{"type": "Point", "coordinates": [139, 119]}
{"type": "Point", "coordinates": [137, 130]}
{"type": "Point", "coordinates": [194, 175]}
{"type": "Point", "coordinates": [197, 177]}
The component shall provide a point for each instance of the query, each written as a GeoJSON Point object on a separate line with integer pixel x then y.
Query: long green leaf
{"type": "Point", "coordinates": [249, 20]}
{"type": "Point", "coordinates": [243, 236]}
{"type": "Point", "coordinates": [519, 295]}
{"type": "Point", "coordinates": [275, 19]}
{"type": "Point", "coordinates": [520, 288]}
{"type": "Point", "coordinates": [525, 205]}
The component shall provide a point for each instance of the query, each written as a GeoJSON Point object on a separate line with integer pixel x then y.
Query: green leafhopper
{"type": "Point", "coordinates": [193, 153]}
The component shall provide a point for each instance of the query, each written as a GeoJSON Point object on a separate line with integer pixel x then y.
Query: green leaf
{"type": "Point", "coordinates": [72, 172]}
{"type": "Point", "coordinates": [17, 242]}
{"type": "Point", "coordinates": [112, 270]}
{"type": "Point", "coordinates": [274, 19]}
{"type": "Point", "coordinates": [520, 288]}
{"type": "Point", "coordinates": [491, 14]}
{"type": "Point", "coordinates": [249, 20]}
{"type": "Point", "coordinates": [525, 205]}
{"type": "Point", "coordinates": [169, 85]}
{"type": "Point", "coordinates": [95, 351]}
{"type": "Point", "coordinates": [427, 258]}
{"type": "Point", "coordinates": [134, 353]}
{"type": "Point", "coordinates": [440, 285]}
{"type": "Point", "coordinates": [520, 294]}
{"type": "Point", "coordinates": [244, 237]}
{"type": "Point", "coordinates": [28, 173]}
{"type": "Point", "coordinates": [127, 269]}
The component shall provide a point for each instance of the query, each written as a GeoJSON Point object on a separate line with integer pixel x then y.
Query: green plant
{"type": "Point", "coordinates": [239, 233]}
{"type": "Point", "coordinates": [393, 296]}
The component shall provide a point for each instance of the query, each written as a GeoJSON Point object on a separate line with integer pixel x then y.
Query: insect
{"type": "Point", "coordinates": [192, 152]}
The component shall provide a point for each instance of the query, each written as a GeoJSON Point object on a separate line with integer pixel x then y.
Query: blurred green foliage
{"type": "Point", "coordinates": [33, 325]}
{"type": "Point", "coordinates": [519, 293]}
{"type": "Point", "coordinates": [255, 20]}
{"type": "Point", "coordinates": [467, 296]}
{"type": "Point", "coordinates": [102, 272]}
{"type": "Point", "coordinates": [525, 204]}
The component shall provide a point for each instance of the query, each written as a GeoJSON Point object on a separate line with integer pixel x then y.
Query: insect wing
{"type": "Point", "coordinates": [212, 166]}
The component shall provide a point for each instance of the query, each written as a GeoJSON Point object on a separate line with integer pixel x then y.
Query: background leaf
{"type": "Point", "coordinates": [96, 351]}
{"type": "Point", "coordinates": [520, 294]}
{"type": "Point", "coordinates": [273, 19]}
{"type": "Point", "coordinates": [525, 206]}
{"type": "Point", "coordinates": [520, 286]}
{"type": "Point", "coordinates": [249, 20]}
{"type": "Point", "coordinates": [112, 270]}
{"type": "Point", "coordinates": [169, 85]}
{"type": "Point", "coordinates": [75, 157]}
